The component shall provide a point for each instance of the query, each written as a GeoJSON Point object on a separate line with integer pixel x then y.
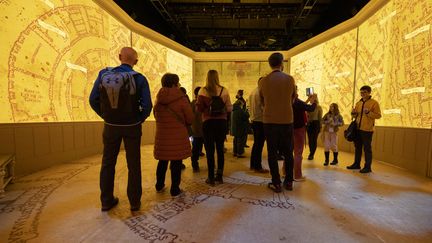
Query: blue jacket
{"type": "Point", "coordinates": [143, 91]}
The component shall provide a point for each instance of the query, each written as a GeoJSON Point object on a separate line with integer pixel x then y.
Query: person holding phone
{"type": "Point", "coordinates": [300, 120]}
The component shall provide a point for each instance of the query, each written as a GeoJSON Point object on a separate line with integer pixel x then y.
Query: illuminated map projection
{"type": "Point", "coordinates": [50, 55]}
{"type": "Point", "coordinates": [329, 68]}
{"type": "Point", "coordinates": [233, 75]}
{"type": "Point", "coordinates": [394, 58]}
{"type": "Point", "coordinates": [154, 60]}
{"type": "Point", "coordinates": [182, 66]}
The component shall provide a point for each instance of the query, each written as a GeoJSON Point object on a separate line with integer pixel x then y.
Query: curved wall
{"type": "Point", "coordinates": [55, 47]}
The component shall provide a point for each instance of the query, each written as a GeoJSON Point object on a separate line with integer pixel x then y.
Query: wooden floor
{"type": "Point", "coordinates": [61, 204]}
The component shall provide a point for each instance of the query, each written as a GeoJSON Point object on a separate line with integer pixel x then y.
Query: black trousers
{"type": "Point", "coordinates": [239, 143]}
{"type": "Point", "coordinates": [175, 167]}
{"type": "Point", "coordinates": [363, 141]}
{"type": "Point", "coordinates": [280, 136]}
{"type": "Point", "coordinates": [197, 145]}
{"type": "Point", "coordinates": [257, 147]}
{"type": "Point", "coordinates": [313, 130]}
{"type": "Point", "coordinates": [214, 136]}
{"type": "Point", "coordinates": [112, 138]}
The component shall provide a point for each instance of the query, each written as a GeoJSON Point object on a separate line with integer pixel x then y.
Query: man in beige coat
{"type": "Point", "coordinates": [277, 91]}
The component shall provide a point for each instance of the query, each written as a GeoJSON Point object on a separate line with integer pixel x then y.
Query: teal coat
{"type": "Point", "coordinates": [239, 120]}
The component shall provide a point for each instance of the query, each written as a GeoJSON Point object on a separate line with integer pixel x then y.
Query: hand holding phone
{"type": "Point", "coordinates": [309, 91]}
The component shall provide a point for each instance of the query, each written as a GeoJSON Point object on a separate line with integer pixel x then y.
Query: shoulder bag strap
{"type": "Point", "coordinates": [221, 91]}
{"type": "Point", "coordinates": [177, 116]}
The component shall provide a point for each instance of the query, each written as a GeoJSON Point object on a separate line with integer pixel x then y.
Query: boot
{"type": "Point", "coordinates": [335, 159]}
{"type": "Point", "coordinates": [327, 155]}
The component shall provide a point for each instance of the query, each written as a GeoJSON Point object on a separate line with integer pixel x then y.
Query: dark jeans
{"type": "Point", "coordinates": [112, 138]}
{"type": "Point", "coordinates": [363, 140]}
{"type": "Point", "coordinates": [214, 136]}
{"type": "Point", "coordinates": [280, 136]}
{"type": "Point", "coordinates": [175, 167]}
{"type": "Point", "coordinates": [313, 130]}
{"type": "Point", "coordinates": [259, 139]}
{"type": "Point", "coordinates": [197, 145]}
{"type": "Point", "coordinates": [239, 143]}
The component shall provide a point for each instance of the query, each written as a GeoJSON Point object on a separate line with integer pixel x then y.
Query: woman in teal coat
{"type": "Point", "coordinates": [239, 127]}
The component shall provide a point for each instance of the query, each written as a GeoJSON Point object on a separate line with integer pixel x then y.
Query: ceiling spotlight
{"type": "Point", "coordinates": [210, 41]}
{"type": "Point", "coordinates": [269, 41]}
{"type": "Point", "coordinates": [236, 42]}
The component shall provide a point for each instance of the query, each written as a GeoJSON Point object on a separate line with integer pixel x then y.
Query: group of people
{"type": "Point", "coordinates": [121, 97]}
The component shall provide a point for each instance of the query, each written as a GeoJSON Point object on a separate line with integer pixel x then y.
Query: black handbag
{"type": "Point", "coordinates": [350, 133]}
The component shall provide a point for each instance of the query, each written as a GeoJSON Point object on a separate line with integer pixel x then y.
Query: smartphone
{"type": "Point", "coordinates": [309, 91]}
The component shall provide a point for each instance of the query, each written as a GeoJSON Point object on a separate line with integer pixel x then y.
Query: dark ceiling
{"type": "Point", "coordinates": [240, 25]}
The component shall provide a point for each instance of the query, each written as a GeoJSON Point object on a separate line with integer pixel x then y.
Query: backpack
{"type": "Point", "coordinates": [118, 97]}
{"type": "Point", "coordinates": [351, 132]}
{"type": "Point", "coordinates": [217, 105]}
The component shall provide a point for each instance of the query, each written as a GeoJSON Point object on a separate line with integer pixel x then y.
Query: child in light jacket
{"type": "Point", "coordinates": [332, 121]}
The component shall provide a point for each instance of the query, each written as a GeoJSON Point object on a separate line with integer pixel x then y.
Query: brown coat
{"type": "Point", "coordinates": [277, 92]}
{"type": "Point", "coordinates": [172, 138]}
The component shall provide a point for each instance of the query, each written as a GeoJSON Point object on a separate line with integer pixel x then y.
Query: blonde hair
{"type": "Point", "coordinates": [212, 82]}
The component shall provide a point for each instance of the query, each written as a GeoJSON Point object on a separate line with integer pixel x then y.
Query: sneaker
{"type": "Point", "coordinates": [111, 205]}
{"type": "Point", "coordinates": [177, 193]}
{"type": "Point", "coordinates": [246, 146]}
{"type": "Point", "coordinates": [275, 187]}
{"type": "Point", "coordinates": [183, 166]}
{"type": "Point", "coordinates": [334, 162]}
{"type": "Point", "coordinates": [326, 163]}
{"type": "Point", "coordinates": [209, 181]}
{"type": "Point", "coordinates": [288, 186]}
{"type": "Point", "coordinates": [262, 170]}
{"type": "Point", "coordinates": [353, 167]}
{"type": "Point", "coordinates": [365, 170]}
{"type": "Point", "coordinates": [303, 178]}
{"type": "Point", "coordinates": [135, 207]}
{"type": "Point", "coordinates": [310, 157]}
{"type": "Point", "coordinates": [219, 179]}
{"type": "Point", "coordinates": [202, 154]}
{"type": "Point", "coordinates": [160, 189]}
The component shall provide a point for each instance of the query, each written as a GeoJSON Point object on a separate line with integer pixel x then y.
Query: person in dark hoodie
{"type": "Point", "coordinates": [173, 114]}
{"type": "Point", "coordinates": [197, 133]}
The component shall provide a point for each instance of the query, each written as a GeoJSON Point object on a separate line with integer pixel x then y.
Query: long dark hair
{"type": "Point", "coordinates": [336, 109]}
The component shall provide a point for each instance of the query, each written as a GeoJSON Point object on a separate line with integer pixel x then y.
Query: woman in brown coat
{"type": "Point", "coordinates": [173, 114]}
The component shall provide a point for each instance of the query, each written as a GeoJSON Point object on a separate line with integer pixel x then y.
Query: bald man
{"type": "Point", "coordinates": [121, 97]}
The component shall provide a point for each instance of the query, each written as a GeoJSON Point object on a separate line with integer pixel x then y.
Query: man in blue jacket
{"type": "Point", "coordinates": [121, 97]}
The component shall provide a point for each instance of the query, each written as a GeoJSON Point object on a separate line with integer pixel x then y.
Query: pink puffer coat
{"type": "Point", "coordinates": [172, 138]}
